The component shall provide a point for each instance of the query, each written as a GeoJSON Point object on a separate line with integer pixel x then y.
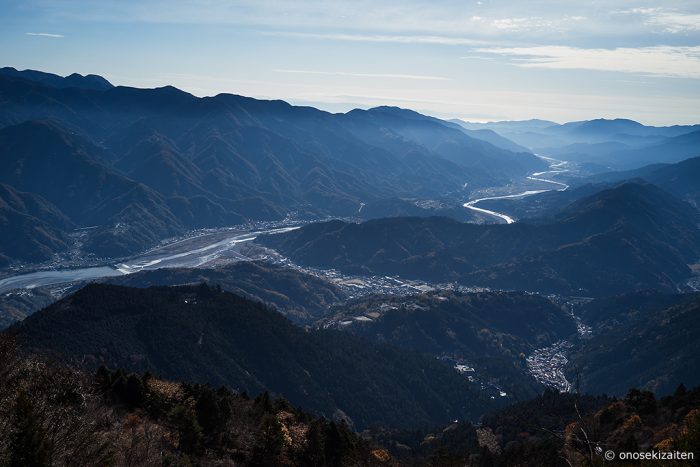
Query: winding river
{"type": "Point", "coordinates": [555, 166]}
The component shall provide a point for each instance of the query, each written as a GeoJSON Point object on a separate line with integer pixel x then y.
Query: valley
{"type": "Point", "coordinates": [425, 290]}
{"type": "Point", "coordinates": [205, 248]}
{"type": "Point", "coordinates": [220, 247]}
{"type": "Point", "coordinates": [208, 249]}
{"type": "Point", "coordinates": [556, 167]}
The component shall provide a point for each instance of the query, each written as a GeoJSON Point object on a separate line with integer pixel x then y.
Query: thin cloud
{"type": "Point", "coordinates": [364, 75]}
{"type": "Point", "coordinates": [45, 34]}
{"type": "Point", "coordinates": [519, 24]}
{"type": "Point", "coordinates": [669, 61]}
{"type": "Point", "coordinates": [400, 39]}
{"type": "Point", "coordinates": [675, 22]}
{"type": "Point", "coordinates": [667, 20]}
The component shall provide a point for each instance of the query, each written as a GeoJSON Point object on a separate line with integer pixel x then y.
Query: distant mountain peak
{"type": "Point", "coordinates": [618, 121]}
{"type": "Point", "coordinates": [387, 108]}
{"type": "Point", "coordinates": [398, 111]}
{"type": "Point", "coordinates": [616, 125]}
{"type": "Point", "coordinates": [74, 80]}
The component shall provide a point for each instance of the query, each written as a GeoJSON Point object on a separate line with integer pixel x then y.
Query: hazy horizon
{"type": "Point", "coordinates": [476, 60]}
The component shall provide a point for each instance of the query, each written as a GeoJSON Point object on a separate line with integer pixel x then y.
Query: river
{"type": "Point", "coordinates": [189, 252]}
{"type": "Point", "coordinates": [200, 250]}
{"type": "Point", "coordinates": [555, 166]}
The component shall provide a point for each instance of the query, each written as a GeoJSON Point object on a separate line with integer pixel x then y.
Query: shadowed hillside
{"type": "Point", "coordinates": [630, 237]}
{"type": "Point", "coordinates": [200, 334]}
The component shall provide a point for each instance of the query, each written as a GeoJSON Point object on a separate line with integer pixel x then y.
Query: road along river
{"type": "Point", "coordinates": [190, 252]}
{"type": "Point", "coordinates": [556, 167]}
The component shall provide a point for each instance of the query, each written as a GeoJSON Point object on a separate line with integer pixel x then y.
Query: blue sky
{"type": "Point", "coordinates": [477, 60]}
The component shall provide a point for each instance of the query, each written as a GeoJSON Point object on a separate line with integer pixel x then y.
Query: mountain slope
{"type": "Point", "coordinates": [490, 136]}
{"type": "Point", "coordinates": [490, 332]}
{"type": "Point", "coordinates": [199, 334]}
{"type": "Point", "coordinates": [300, 297]}
{"type": "Point", "coordinates": [55, 414]}
{"type": "Point", "coordinates": [31, 228]}
{"type": "Point", "coordinates": [645, 342]}
{"type": "Point", "coordinates": [681, 179]}
{"type": "Point", "coordinates": [670, 150]}
{"type": "Point", "coordinates": [42, 158]}
{"type": "Point", "coordinates": [632, 236]}
{"type": "Point", "coordinates": [440, 138]}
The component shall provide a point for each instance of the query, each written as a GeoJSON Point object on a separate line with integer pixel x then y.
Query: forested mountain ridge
{"type": "Point", "coordinates": [53, 414]}
{"type": "Point", "coordinates": [56, 414]}
{"type": "Point", "coordinates": [200, 334]}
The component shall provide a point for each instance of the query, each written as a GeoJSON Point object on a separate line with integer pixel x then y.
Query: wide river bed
{"type": "Point", "coordinates": [190, 252]}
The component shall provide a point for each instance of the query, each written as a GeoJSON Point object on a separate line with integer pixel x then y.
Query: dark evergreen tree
{"type": "Point", "coordinates": [189, 430]}
{"type": "Point", "coordinates": [213, 410]}
{"type": "Point", "coordinates": [129, 389]}
{"type": "Point", "coordinates": [28, 446]}
{"type": "Point", "coordinates": [690, 439]}
{"type": "Point", "coordinates": [642, 402]}
{"type": "Point", "coordinates": [680, 390]}
{"type": "Point", "coordinates": [337, 443]}
{"type": "Point", "coordinates": [269, 441]}
{"type": "Point", "coordinates": [314, 452]}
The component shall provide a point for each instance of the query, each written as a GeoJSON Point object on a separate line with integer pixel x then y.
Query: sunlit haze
{"type": "Point", "coordinates": [476, 60]}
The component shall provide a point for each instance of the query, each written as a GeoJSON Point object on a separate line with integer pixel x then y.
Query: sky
{"type": "Point", "coordinates": [476, 60]}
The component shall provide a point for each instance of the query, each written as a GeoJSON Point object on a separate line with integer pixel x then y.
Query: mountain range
{"type": "Point", "coordinates": [140, 165]}
{"type": "Point", "coordinates": [600, 144]}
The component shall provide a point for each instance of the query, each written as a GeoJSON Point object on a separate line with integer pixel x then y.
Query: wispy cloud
{"type": "Point", "coordinates": [666, 20]}
{"type": "Point", "coordinates": [364, 75]}
{"type": "Point", "coordinates": [401, 39]}
{"type": "Point", "coordinates": [667, 61]}
{"type": "Point", "coordinates": [45, 34]}
{"type": "Point", "coordinates": [372, 99]}
{"type": "Point", "coordinates": [526, 23]}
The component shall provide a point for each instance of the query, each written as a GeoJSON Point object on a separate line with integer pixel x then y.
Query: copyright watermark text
{"type": "Point", "coordinates": [650, 455]}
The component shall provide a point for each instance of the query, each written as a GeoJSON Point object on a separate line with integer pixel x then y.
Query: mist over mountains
{"type": "Point", "coordinates": [140, 165]}
{"type": "Point", "coordinates": [602, 144]}
{"type": "Point", "coordinates": [153, 163]}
